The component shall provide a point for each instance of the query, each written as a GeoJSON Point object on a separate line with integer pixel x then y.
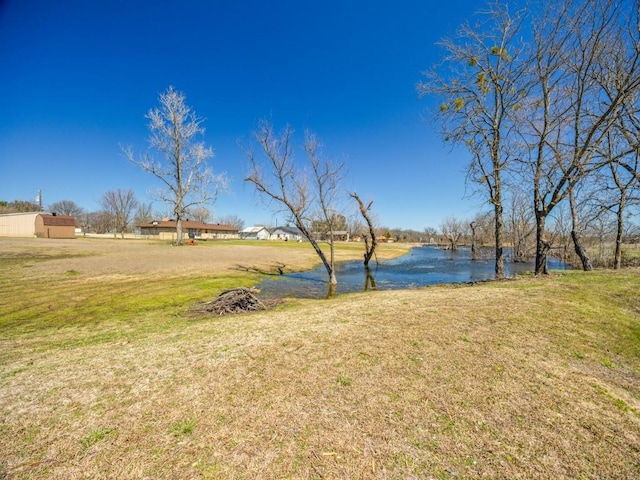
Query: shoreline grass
{"type": "Point", "coordinates": [527, 378]}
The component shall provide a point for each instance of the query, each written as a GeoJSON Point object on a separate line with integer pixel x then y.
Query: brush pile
{"type": "Point", "coordinates": [235, 300]}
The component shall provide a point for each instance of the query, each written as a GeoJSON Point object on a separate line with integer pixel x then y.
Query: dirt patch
{"type": "Point", "coordinates": [134, 257]}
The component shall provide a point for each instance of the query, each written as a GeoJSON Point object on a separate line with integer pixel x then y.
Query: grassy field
{"type": "Point", "coordinates": [104, 374]}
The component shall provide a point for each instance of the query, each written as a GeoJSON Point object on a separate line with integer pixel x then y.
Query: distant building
{"type": "Point", "coordinates": [166, 230]}
{"type": "Point", "coordinates": [37, 224]}
{"type": "Point", "coordinates": [255, 233]}
{"type": "Point", "coordinates": [338, 236]}
{"type": "Point", "coordinates": [286, 233]}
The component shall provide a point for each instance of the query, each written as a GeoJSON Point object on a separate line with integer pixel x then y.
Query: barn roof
{"type": "Point", "coordinates": [58, 221]}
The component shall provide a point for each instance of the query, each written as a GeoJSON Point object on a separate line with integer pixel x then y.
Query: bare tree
{"type": "Point", "coordinates": [144, 214]}
{"type": "Point", "coordinates": [66, 207]}
{"type": "Point", "coordinates": [452, 229]}
{"type": "Point", "coordinates": [305, 199]}
{"type": "Point", "coordinates": [200, 214]}
{"type": "Point", "coordinates": [430, 233]}
{"type": "Point", "coordinates": [97, 222]}
{"type": "Point", "coordinates": [234, 220]}
{"type": "Point", "coordinates": [480, 81]}
{"type": "Point", "coordinates": [119, 205]}
{"type": "Point", "coordinates": [623, 190]}
{"type": "Point", "coordinates": [183, 170]}
{"type": "Point", "coordinates": [521, 226]}
{"type": "Point", "coordinates": [370, 248]}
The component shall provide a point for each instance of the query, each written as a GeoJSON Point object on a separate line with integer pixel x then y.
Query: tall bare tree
{"type": "Point", "coordinates": [480, 82]}
{"type": "Point", "coordinates": [119, 206]}
{"type": "Point", "coordinates": [187, 180]}
{"type": "Point", "coordinates": [276, 176]}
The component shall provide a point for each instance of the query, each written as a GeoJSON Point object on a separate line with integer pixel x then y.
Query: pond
{"type": "Point", "coordinates": [422, 266]}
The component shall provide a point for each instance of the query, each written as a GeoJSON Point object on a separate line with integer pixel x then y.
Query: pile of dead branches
{"type": "Point", "coordinates": [235, 300]}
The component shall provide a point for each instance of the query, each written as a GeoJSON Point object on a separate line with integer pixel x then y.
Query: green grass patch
{"type": "Point", "coordinates": [95, 436]}
{"type": "Point", "coordinates": [182, 429]}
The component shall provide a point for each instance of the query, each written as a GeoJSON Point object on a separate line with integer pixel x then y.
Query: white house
{"type": "Point", "coordinates": [287, 233]}
{"type": "Point", "coordinates": [255, 233]}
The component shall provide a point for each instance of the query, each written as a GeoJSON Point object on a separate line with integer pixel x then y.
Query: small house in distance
{"type": "Point", "coordinates": [37, 224]}
{"type": "Point", "coordinates": [255, 233]}
{"type": "Point", "coordinates": [166, 230]}
{"type": "Point", "coordinates": [286, 234]}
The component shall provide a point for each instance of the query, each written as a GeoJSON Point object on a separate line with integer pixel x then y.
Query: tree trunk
{"type": "Point", "coordinates": [575, 234]}
{"type": "Point", "coordinates": [499, 231]}
{"type": "Point", "coordinates": [617, 263]}
{"type": "Point", "coordinates": [179, 230]}
{"type": "Point", "coordinates": [474, 248]}
{"type": "Point", "coordinates": [580, 251]}
{"type": "Point", "coordinates": [542, 246]}
{"type": "Point", "coordinates": [332, 271]}
{"type": "Point", "coordinates": [328, 265]}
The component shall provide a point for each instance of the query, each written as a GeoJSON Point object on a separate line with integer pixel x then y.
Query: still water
{"type": "Point", "coordinates": [422, 266]}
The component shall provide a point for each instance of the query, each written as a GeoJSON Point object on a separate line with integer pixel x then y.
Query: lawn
{"type": "Point", "coordinates": [104, 374]}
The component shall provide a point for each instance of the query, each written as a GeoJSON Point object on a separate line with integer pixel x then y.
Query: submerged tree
{"type": "Point", "coordinates": [452, 229]}
{"type": "Point", "coordinates": [306, 198]}
{"type": "Point", "coordinates": [183, 170]}
{"type": "Point", "coordinates": [370, 248]}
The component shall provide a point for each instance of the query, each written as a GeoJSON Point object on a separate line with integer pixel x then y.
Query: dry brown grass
{"type": "Point", "coordinates": [535, 378]}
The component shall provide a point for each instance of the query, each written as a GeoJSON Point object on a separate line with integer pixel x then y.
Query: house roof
{"type": "Point", "coordinates": [187, 224]}
{"type": "Point", "coordinates": [58, 221]}
{"type": "Point", "coordinates": [289, 230]}
{"type": "Point", "coordinates": [253, 229]}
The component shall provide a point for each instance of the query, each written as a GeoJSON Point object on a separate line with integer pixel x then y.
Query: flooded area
{"type": "Point", "coordinates": [426, 265]}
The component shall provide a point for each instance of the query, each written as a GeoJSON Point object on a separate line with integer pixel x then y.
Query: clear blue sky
{"type": "Point", "coordinates": [78, 76]}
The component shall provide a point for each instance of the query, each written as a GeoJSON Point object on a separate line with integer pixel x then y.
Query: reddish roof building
{"type": "Point", "coordinates": [55, 226]}
{"type": "Point", "coordinates": [166, 230]}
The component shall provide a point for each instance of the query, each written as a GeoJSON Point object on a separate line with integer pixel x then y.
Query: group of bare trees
{"type": "Point", "coordinates": [309, 192]}
{"type": "Point", "coordinates": [556, 116]}
{"type": "Point", "coordinates": [305, 198]}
